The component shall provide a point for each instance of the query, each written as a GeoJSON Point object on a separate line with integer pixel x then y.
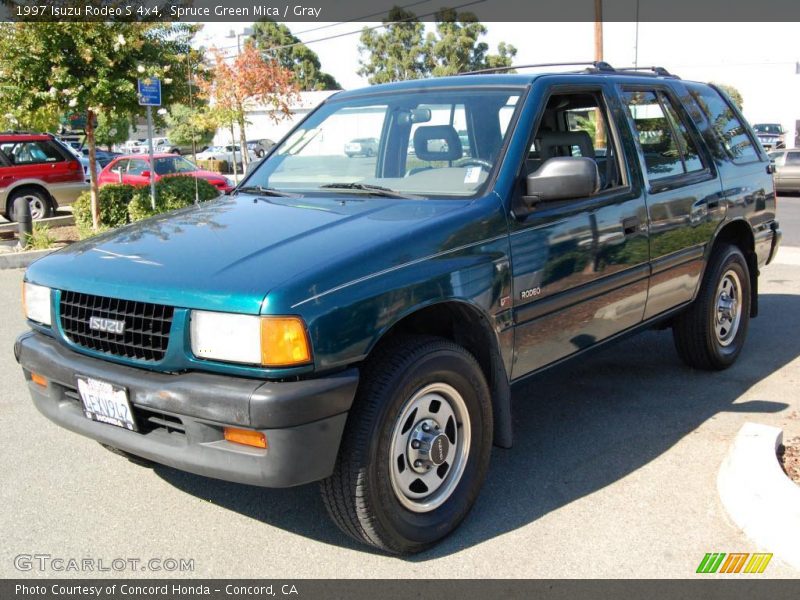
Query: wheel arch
{"type": "Point", "coordinates": [470, 327]}
{"type": "Point", "coordinates": [739, 233]}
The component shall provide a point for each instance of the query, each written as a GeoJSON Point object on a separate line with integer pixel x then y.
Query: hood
{"type": "Point", "coordinates": [205, 174]}
{"type": "Point", "coordinates": [229, 253]}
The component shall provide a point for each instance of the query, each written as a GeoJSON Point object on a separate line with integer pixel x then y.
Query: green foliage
{"type": "Point", "coordinates": [187, 125]}
{"type": "Point", "coordinates": [293, 55]}
{"type": "Point", "coordinates": [40, 238]}
{"type": "Point", "coordinates": [398, 52]}
{"type": "Point", "coordinates": [402, 50]}
{"type": "Point", "coordinates": [114, 200]}
{"type": "Point", "coordinates": [171, 193]}
{"type": "Point", "coordinates": [734, 94]}
{"type": "Point", "coordinates": [112, 128]}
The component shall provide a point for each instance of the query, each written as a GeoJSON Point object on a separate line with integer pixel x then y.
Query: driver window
{"type": "Point", "coordinates": [576, 124]}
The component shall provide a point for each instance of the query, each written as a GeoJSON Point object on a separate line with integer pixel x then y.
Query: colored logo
{"type": "Point", "coordinates": [741, 562]}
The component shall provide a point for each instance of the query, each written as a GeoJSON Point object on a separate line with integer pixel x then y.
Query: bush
{"type": "Point", "coordinates": [171, 193]}
{"type": "Point", "coordinates": [40, 239]}
{"type": "Point", "coordinates": [113, 199]}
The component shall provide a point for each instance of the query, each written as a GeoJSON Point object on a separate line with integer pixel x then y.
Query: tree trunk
{"type": "Point", "coordinates": [243, 138]}
{"type": "Point", "coordinates": [92, 169]}
{"type": "Point", "coordinates": [233, 151]}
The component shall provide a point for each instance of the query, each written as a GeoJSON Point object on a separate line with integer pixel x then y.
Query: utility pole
{"type": "Point", "coordinates": [600, 134]}
{"type": "Point", "coordinates": [598, 30]}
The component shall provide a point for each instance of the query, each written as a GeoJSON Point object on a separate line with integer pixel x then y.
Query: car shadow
{"type": "Point", "coordinates": [577, 429]}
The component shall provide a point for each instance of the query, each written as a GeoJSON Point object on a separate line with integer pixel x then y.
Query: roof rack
{"type": "Point", "coordinates": [595, 66]}
{"type": "Point", "coordinates": [599, 65]}
{"type": "Point", "coordinates": [15, 132]}
{"type": "Point", "coordinates": [655, 71]}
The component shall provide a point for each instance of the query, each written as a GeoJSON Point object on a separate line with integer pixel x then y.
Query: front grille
{"type": "Point", "coordinates": [147, 325]}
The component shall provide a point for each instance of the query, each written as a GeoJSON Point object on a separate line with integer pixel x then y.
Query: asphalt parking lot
{"type": "Point", "coordinates": [613, 474]}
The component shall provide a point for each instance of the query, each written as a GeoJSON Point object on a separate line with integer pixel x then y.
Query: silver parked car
{"type": "Point", "coordinates": [787, 170]}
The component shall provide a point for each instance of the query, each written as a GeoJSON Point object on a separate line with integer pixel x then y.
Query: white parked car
{"type": "Point", "coordinates": [226, 153]}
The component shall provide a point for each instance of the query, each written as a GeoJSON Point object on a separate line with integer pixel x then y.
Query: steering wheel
{"type": "Point", "coordinates": [478, 162]}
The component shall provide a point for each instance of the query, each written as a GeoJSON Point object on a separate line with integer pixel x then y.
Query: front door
{"type": "Point", "coordinates": [580, 267]}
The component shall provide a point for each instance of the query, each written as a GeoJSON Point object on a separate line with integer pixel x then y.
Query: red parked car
{"type": "Point", "coordinates": [35, 166]}
{"type": "Point", "coordinates": [135, 170]}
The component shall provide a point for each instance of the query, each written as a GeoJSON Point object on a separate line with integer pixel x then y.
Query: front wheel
{"type": "Point", "coordinates": [710, 333]}
{"type": "Point", "coordinates": [416, 447]}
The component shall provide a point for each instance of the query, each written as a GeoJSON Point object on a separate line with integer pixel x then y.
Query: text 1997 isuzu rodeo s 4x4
{"type": "Point", "coordinates": [360, 320]}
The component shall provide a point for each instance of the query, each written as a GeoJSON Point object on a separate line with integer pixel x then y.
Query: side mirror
{"type": "Point", "coordinates": [145, 174]}
{"type": "Point", "coordinates": [560, 178]}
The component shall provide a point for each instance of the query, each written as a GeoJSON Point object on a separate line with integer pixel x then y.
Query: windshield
{"type": "Point", "coordinates": [173, 164]}
{"type": "Point", "coordinates": [429, 143]}
{"type": "Point", "coordinates": [768, 128]}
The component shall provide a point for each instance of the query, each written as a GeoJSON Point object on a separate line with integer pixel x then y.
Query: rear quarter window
{"type": "Point", "coordinates": [727, 129]}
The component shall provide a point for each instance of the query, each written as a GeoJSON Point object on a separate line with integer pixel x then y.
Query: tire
{"type": "Point", "coordinates": [41, 206]}
{"type": "Point", "coordinates": [373, 494]}
{"type": "Point", "coordinates": [710, 334]}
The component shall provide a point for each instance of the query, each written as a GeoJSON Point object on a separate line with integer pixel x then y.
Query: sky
{"type": "Point", "coordinates": [758, 59]}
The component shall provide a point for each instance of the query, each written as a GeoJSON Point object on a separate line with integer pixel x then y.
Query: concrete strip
{"type": "Point", "coordinates": [20, 260]}
{"type": "Point", "coordinates": [758, 495]}
{"type": "Point", "coordinates": [59, 221]}
{"type": "Point", "coordinates": [787, 255]}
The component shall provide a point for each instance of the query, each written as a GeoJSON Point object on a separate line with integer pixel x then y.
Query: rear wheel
{"type": "Point", "coordinates": [710, 334]}
{"type": "Point", "coordinates": [416, 447]}
{"type": "Point", "coordinates": [41, 207]}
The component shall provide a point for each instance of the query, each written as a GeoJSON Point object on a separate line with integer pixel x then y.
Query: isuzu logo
{"type": "Point", "coordinates": [107, 325]}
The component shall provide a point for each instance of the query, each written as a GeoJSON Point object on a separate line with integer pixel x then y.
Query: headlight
{"type": "Point", "coordinates": [248, 339]}
{"type": "Point", "coordinates": [36, 302]}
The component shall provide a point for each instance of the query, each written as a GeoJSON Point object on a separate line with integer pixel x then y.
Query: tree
{"type": "Point", "coordinates": [398, 52]}
{"type": "Point", "coordinates": [112, 128]}
{"type": "Point", "coordinates": [248, 80]}
{"type": "Point", "coordinates": [276, 41]}
{"type": "Point", "coordinates": [403, 51]}
{"type": "Point", "coordinates": [734, 94]}
{"type": "Point", "coordinates": [455, 48]}
{"type": "Point", "coordinates": [188, 126]}
{"type": "Point", "coordinates": [89, 68]}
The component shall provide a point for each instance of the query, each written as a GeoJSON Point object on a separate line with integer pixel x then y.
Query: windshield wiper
{"type": "Point", "coordinates": [375, 190]}
{"type": "Point", "coordinates": [264, 191]}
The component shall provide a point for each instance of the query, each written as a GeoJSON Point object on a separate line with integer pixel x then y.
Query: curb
{"type": "Point", "coordinates": [57, 221]}
{"type": "Point", "coordinates": [19, 260]}
{"type": "Point", "coordinates": [758, 495]}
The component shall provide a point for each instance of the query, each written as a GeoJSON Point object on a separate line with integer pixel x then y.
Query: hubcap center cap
{"type": "Point", "coordinates": [428, 446]}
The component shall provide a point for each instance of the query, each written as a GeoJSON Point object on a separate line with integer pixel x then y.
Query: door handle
{"type": "Point", "coordinates": [630, 225]}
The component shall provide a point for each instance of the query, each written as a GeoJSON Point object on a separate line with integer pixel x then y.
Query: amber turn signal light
{"type": "Point", "coordinates": [284, 342]}
{"type": "Point", "coordinates": [246, 437]}
{"type": "Point", "coordinates": [38, 379]}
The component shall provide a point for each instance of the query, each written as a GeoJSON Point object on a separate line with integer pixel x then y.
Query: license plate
{"type": "Point", "coordinates": [106, 403]}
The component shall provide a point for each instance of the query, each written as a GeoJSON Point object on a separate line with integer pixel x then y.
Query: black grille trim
{"type": "Point", "coordinates": [147, 325]}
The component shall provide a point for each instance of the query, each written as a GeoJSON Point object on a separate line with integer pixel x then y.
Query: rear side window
{"type": "Point", "coordinates": [668, 149]}
{"type": "Point", "coordinates": [30, 153]}
{"type": "Point", "coordinates": [727, 127]}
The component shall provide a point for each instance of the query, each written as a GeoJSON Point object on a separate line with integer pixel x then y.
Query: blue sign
{"type": "Point", "coordinates": [150, 92]}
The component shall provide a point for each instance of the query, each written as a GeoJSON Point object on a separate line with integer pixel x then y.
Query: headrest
{"type": "Point", "coordinates": [437, 142]}
{"type": "Point", "coordinates": [549, 141]}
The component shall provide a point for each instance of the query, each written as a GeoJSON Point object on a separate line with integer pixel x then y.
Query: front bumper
{"type": "Point", "coordinates": [181, 416]}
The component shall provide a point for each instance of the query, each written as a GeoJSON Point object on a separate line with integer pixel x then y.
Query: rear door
{"type": "Point", "coordinates": [790, 172]}
{"type": "Point", "coordinates": [580, 266]}
{"type": "Point", "coordinates": [683, 192]}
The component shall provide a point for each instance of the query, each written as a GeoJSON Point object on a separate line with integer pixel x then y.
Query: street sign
{"type": "Point", "coordinates": [150, 92]}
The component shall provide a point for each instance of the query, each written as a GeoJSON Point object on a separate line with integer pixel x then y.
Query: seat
{"type": "Point", "coordinates": [560, 143]}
